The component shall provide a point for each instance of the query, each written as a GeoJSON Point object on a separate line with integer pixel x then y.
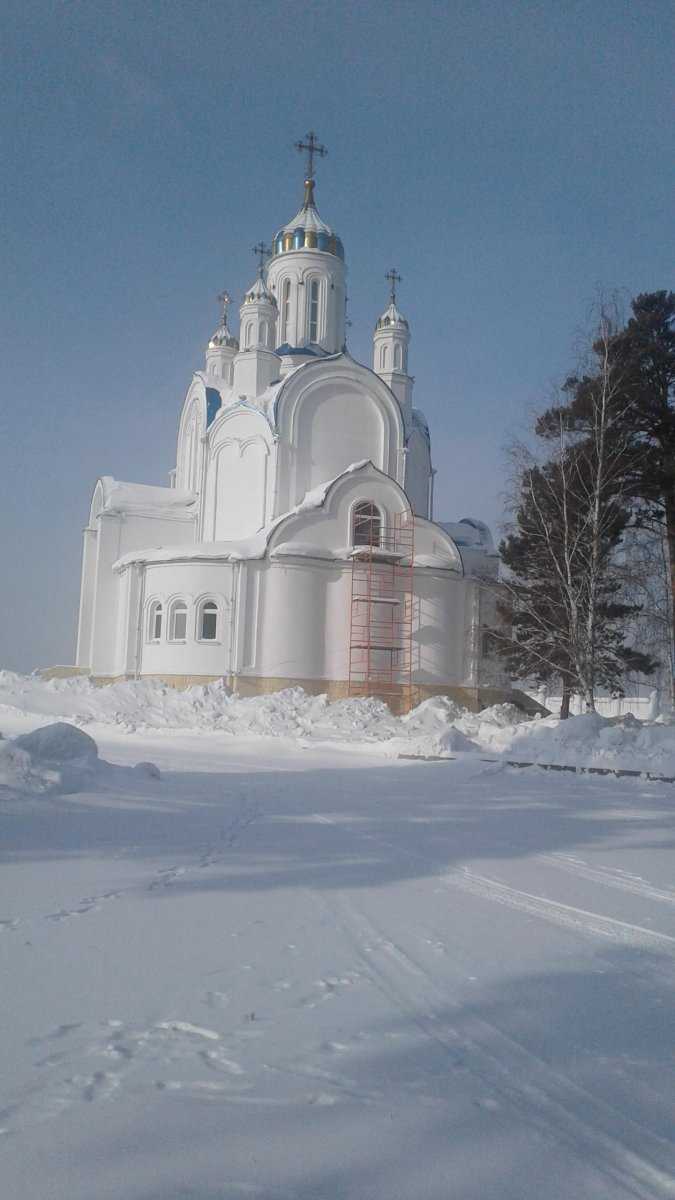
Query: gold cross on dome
{"type": "Point", "coordinates": [312, 147]}
{"type": "Point", "coordinates": [261, 252]}
{"type": "Point", "coordinates": [393, 277]}
{"type": "Point", "coordinates": [225, 300]}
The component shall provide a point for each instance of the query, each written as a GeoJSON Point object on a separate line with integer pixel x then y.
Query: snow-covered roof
{"type": "Point", "coordinates": [391, 316]}
{"type": "Point", "coordinates": [307, 218]}
{"type": "Point", "coordinates": [259, 292]}
{"type": "Point", "coordinates": [120, 496]}
{"type": "Point", "coordinates": [245, 548]}
{"type": "Point", "coordinates": [470, 533]}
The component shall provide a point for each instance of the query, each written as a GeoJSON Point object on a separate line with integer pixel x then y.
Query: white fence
{"type": "Point", "coordinates": [643, 707]}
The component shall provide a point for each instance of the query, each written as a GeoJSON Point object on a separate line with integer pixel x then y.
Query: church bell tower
{"type": "Point", "coordinates": [307, 276]}
{"type": "Point", "coordinates": [256, 365]}
{"type": "Point", "coordinates": [390, 349]}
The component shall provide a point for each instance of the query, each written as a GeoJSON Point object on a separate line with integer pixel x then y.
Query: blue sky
{"type": "Point", "coordinates": [509, 159]}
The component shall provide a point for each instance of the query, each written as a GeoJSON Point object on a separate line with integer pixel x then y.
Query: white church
{"type": "Point", "coordinates": [296, 543]}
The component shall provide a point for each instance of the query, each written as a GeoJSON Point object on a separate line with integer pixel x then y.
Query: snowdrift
{"type": "Point", "coordinates": [59, 758]}
{"type": "Point", "coordinates": [437, 727]}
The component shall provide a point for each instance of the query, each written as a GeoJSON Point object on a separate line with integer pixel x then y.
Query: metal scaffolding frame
{"type": "Point", "coordinates": [382, 612]}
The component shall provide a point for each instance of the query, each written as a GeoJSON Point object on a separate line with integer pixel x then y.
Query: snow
{"type": "Point", "coordinates": [120, 496]}
{"type": "Point", "coordinates": [501, 731]}
{"type": "Point", "coordinates": [246, 548]}
{"type": "Point", "coordinates": [287, 963]}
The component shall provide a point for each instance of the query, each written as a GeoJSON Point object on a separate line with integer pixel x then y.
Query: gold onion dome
{"type": "Point", "coordinates": [223, 337]}
{"type": "Point", "coordinates": [307, 231]}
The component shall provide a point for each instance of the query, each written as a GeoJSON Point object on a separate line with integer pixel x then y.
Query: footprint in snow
{"type": "Point", "coordinates": [217, 999]}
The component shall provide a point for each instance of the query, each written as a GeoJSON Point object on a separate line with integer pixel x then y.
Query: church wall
{"type": "Point", "coordinates": [299, 269]}
{"type": "Point", "coordinates": [119, 534]}
{"type": "Point", "coordinates": [417, 471]}
{"type": "Point", "coordinates": [293, 619]}
{"type": "Point", "coordinates": [87, 596]}
{"type": "Point", "coordinates": [103, 640]}
{"type": "Point", "coordinates": [192, 583]}
{"type": "Point", "coordinates": [330, 527]}
{"type": "Point", "coordinates": [333, 422]}
{"type": "Point", "coordinates": [238, 471]}
{"type": "Point", "coordinates": [336, 430]}
{"type": "Point", "coordinates": [438, 637]}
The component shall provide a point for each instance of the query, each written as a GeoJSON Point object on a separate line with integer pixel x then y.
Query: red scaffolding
{"type": "Point", "coordinates": [382, 612]}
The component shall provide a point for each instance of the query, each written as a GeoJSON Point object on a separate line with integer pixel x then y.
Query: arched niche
{"type": "Point", "coordinates": [329, 419]}
{"type": "Point", "coordinates": [190, 432]}
{"type": "Point", "coordinates": [238, 471]}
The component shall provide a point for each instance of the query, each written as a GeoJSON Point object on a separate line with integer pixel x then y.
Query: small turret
{"type": "Point", "coordinates": [222, 347]}
{"type": "Point", "coordinates": [390, 349]}
{"type": "Point", "coordinates": [257, 365]}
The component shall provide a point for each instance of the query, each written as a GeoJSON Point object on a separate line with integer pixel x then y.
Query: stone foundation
{"type": "Point", "coordinates": [400, 700]}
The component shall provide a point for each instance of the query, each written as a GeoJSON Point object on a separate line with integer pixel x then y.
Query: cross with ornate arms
{"type": "Point", "coordinates": [393, 277]}
{"type": "Point", "coordinates": [225, 300]}
{"type": "Point", "coordinates": [262, 252]}
{"type": "Point", "coordinates": [312, 147]}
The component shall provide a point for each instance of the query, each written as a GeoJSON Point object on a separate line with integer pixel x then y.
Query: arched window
{"type": "Point", "coordinates": [398, 358]}
{"type": "Point", "coordinates": [248, 338]}
{"type": "Point", "coordinates": [264, 334]}
{"type": "Point", "coordinates": [178, 621]}
{"type": "Point", "coordinates": [207, 621]}
{"type": "Point", "coordinates": [155, 621]}
{"type": "Point", "coordinates": [383, 358]}
{"type": "Point", "coordinates": [314, 311]}
{"type": "Point", "coordinates": [366, 524]}
{"type": "Point", "coordinates": [285, 309]}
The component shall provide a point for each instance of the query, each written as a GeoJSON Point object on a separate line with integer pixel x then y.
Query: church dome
{"type": "Point", "coordinates": [307, 231]}
{"type": "Point", "coordinates": [391, 318]}
{"type": "Point", "coordinates": [259, 293]}
{"type": "Point", "coordinates": [223, 337]}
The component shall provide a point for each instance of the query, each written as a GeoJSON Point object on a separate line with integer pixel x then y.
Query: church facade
{"type": "Point", "coordinates": [296, 543]}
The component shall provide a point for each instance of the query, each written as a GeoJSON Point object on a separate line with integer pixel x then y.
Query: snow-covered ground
{"type": "Point", "coordinates": [289, 964]}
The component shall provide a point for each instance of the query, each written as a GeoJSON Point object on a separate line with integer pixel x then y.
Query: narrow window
{"type": "Point", "coordinates": [285, 309]}
{"type": "Point", "coordinates": [383, 358]}
{"type": "Point", "coordinates": [155, 622]}
{"type": "Point", "coordinates": [366, 525]}
{"type": "Point", "coordinates": [314, 311]}
{"type": "Point", "coordinates": [208, 621]}
{"type": "Point", "coordinates": [397, 358]}
{"type": "Point", "coordinates": [264, 333]}
{"type": "Point", "coordinates": [249, 335]}
{"type": "Point", "coordinates": [178, 622]}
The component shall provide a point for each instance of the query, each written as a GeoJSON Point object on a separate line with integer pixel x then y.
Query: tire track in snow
{"type": "Point", "coordinates": [609, 876]}
{"type": "Point", "coordinates": [564, 915]}
{"type": "Point", "coordinates": [548, 1099]}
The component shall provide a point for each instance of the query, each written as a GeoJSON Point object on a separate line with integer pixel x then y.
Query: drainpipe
{"type": "Point", "coordinates": [234, 618]}
{"type": "Point", "coordinates": [139, 627]}
{"type": "Point", "coordinates": [432, 477]}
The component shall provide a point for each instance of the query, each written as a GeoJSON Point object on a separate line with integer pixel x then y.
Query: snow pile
{"type": "Point", "coordinates": [439, 727]}
{"type": "Point", "coordinates": [54, 756]}
{"type": "Point", "coordinates": [140, 705]}
{"type": "Point", "coordinates": [590, 740]}
{"type": "Point", "coordinates": [60, 758]}
{"type": "Point", "coordinates": [15, 767]}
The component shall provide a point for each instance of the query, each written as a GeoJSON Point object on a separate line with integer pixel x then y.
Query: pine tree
{"type": "Point", "coordinates": [561, 601]}
{"type": "Point", "coordinates": [636, 365]}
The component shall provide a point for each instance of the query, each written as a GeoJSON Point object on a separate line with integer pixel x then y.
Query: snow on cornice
{"type": "Point", "coordinates": [121, 496]}
{"type": "Point", "coordinates": [246, 548]}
